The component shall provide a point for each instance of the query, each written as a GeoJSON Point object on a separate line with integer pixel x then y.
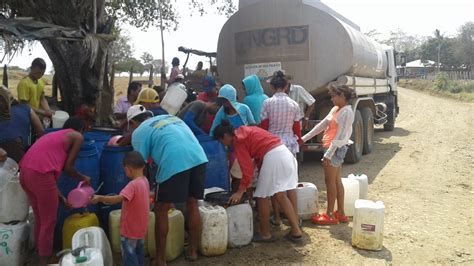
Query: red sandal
{"type": "Point", "coordinates": [341, 218]}
{"type": "Point", "coordinates": [324, 219]}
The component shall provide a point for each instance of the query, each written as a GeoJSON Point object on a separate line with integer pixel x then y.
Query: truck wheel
{"type": "Point", "coordinates": [355, 150]}
{"type": "Point", "coordinates": [368, 121]}
{"type": "Point", "coordinates": [391, 113]}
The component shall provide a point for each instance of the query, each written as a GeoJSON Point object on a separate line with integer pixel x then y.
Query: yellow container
{"type": "Point", "coordinates": [174, 239]}
{"type": "Point", "coordinates": [114, 230]}
{"type": "Point", "coordinates": [75, 222]}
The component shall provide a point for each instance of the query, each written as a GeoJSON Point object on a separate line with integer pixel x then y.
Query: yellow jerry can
{"type": "Point", "coordinates": [75, 222]}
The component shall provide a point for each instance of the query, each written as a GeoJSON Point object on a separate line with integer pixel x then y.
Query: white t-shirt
{"type": "Point", "coordinates": [302, 97]}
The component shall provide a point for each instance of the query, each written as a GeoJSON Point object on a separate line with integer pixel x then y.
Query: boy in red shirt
{"type": "Point", "coordinates": [135, 209]}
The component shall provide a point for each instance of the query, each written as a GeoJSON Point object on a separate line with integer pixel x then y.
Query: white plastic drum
{"type": "Point", "coordinates": [367, 230]}
{"type": "Point", "coordinates": [240, 218]}
{"type": "Point", "coordinates": [88, 257]}
{"type": "Point", "coordinates": [351, 194]}
{"type": "Point", "coordinates": [363, 185]}
{"type": "Point", "coordinates": [13, 201]}
{"type": "Point", "coordinates": [13, 243]}
{"type": "Point", "coordinates": [93, 237]}
{"type": "Point", "coordinates": [214, 236]}
{"type": "Point", "coordinates": [307, 199]}
{"type": "Point", "coordinates": [174, 99]}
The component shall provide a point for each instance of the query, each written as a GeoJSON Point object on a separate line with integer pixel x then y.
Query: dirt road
{"type": "Point", "coordinates": [423, 172]}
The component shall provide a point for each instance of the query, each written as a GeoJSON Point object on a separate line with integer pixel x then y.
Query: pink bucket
{"type": "Point", "coordinates": [80, 196]}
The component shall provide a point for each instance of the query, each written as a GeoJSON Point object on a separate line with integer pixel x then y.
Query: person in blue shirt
{"type": "Point", "coordinates": [181, 170]}
{"type": "Point", "coordinates": [255, 95]}
{"type": "Point", "coordinates": [198, 114]}
{"type": "Point", "coordinates": [237, 113]}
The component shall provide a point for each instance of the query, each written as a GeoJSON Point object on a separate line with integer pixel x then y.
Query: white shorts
{"type": "Point", "coordinates": [279, 173]}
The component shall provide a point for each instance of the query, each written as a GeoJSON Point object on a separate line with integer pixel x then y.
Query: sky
{"type": "Point", "coordinates": [415, 17]}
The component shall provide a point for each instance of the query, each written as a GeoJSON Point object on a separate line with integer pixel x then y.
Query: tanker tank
{"type": "Point", "coordinates": [305, 38]}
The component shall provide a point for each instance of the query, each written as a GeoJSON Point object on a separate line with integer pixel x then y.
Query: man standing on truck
{"type": "Point", "coordinates": [306, 102]}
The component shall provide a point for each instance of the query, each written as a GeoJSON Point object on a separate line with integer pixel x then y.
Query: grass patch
{"type": "Point", "coordinates": [443, 87]}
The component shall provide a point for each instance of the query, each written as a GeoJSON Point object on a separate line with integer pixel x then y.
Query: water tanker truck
{"type": "Point", "coordinates": [318, 47]}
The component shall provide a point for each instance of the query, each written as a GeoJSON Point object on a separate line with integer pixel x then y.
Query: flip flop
{"type": "Point", "coordinates": [294, 239]}
{"type": "Point", "coordinates": [324, 219]}
{"type": "Point", "coordinates": [342, 219]}
{"type": "Point", "coordinates": [257, 238]}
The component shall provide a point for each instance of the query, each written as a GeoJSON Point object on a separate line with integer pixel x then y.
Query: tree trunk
{"type": "Point", "coordinates": [76, 79]}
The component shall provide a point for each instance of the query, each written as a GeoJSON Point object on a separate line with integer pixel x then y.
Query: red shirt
{"type": "Point", "coordinates": [135, 209]}
{"type": "Point", "coordinates": [252, 142]}
{"type": "Point", "coordinates": [203, 96]}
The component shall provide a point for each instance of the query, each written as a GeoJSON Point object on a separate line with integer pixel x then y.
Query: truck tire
{"type": "Point", "coordinates": [354, 153]}
{"type": "Point", "coordinates": [391, 114]}
{"type": "Point", "coordinates": [368, 122]}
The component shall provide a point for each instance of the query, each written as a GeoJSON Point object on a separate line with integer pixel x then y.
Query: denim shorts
{"type": "Point", "coordinates": [133, 251]}
{"type": "Point", "coordinates": [338, 157]}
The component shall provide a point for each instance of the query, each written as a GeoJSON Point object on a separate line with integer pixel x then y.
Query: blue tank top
{"type": "Point", "coordinates": [18, 126]}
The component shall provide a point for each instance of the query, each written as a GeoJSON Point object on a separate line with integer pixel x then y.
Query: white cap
{"type": "Point", "coordinates": [179, 76]}
{"type": "Point", "coordinates": [135, 110]}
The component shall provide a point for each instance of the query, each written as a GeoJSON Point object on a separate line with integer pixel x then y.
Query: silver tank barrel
{"type": "Point", "coordinates": [303, 37]}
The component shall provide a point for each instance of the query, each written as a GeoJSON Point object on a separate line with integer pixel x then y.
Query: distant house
{"type": "Point", "coordinates": [417, 68]}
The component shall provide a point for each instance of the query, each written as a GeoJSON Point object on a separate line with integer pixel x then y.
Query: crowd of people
{"type": "Point", "coordinates": [262, 134]}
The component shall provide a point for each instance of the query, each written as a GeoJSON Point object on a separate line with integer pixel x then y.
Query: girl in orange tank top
{"type": "Point", "coordinates": [337, 127]}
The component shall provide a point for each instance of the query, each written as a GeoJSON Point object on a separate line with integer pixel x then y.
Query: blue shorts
{"type": "Point", "coordinates": [133, 251]}
{"type": "Point", "coordinates": [338, 157]}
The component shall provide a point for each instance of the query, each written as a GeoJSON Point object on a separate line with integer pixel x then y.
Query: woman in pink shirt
{"type": "Point", "coordinates": [337, 127]}
{"type": "Point", "coordinates": [278, 173]}
{"type": "Point", "coordinates": [39, 171]}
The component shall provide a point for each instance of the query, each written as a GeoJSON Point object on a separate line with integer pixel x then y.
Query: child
{"type": "Point", "coordinates": [135, 209]}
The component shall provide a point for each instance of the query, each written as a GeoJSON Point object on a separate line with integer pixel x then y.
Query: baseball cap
{"type": "Point", "coordinates": [136, 110]}
{"type": "Point", "coordinates": [208, 83]}
{"type": "Point", "coordinates": [179, 76]}
{"type": "Point", "coordinates": [147, 96]}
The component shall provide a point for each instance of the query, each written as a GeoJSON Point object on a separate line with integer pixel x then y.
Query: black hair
{"type": "Point", "coordinates": [279, 80]}
{"type": "Point", "coordinates": [39, 63]}
{"type": "Point", "coordinates": [349, 93]}
{"type": "Point", "coordinates": [224, 128]}
{"type": "Point", "coordinates": [175, 61]}
{"type": "Point", "coordinates": [133, 86]}
{"type": "Point", "coordinates": [142, 117]}
{"type": "Point", "coordinates": [74, 123]}
{"type": "Point", "coordinates": [200, 65]}
{"type": "Point", "coordinates": [134, 160]}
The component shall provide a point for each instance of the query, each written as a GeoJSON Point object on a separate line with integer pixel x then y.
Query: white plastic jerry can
{"type": "Point", "coordinates": [363, 185]}
{"type": "Point", "coordinates": [367, 230]}
{"type": "Point", "coordinates": [94, 237]}
{"type": "Point", "coordinates": [240, 218]}
{"type": "Point", "coordinates": [214, 236]}
{"type": "Point", "coordinates": [351, 194]}
{"type": "Point", "coordinates": [307, 199]}
{"type": "Point", "coordinates": [87, 257]}
{"type": "Point", "coordinates": [13, 243]}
